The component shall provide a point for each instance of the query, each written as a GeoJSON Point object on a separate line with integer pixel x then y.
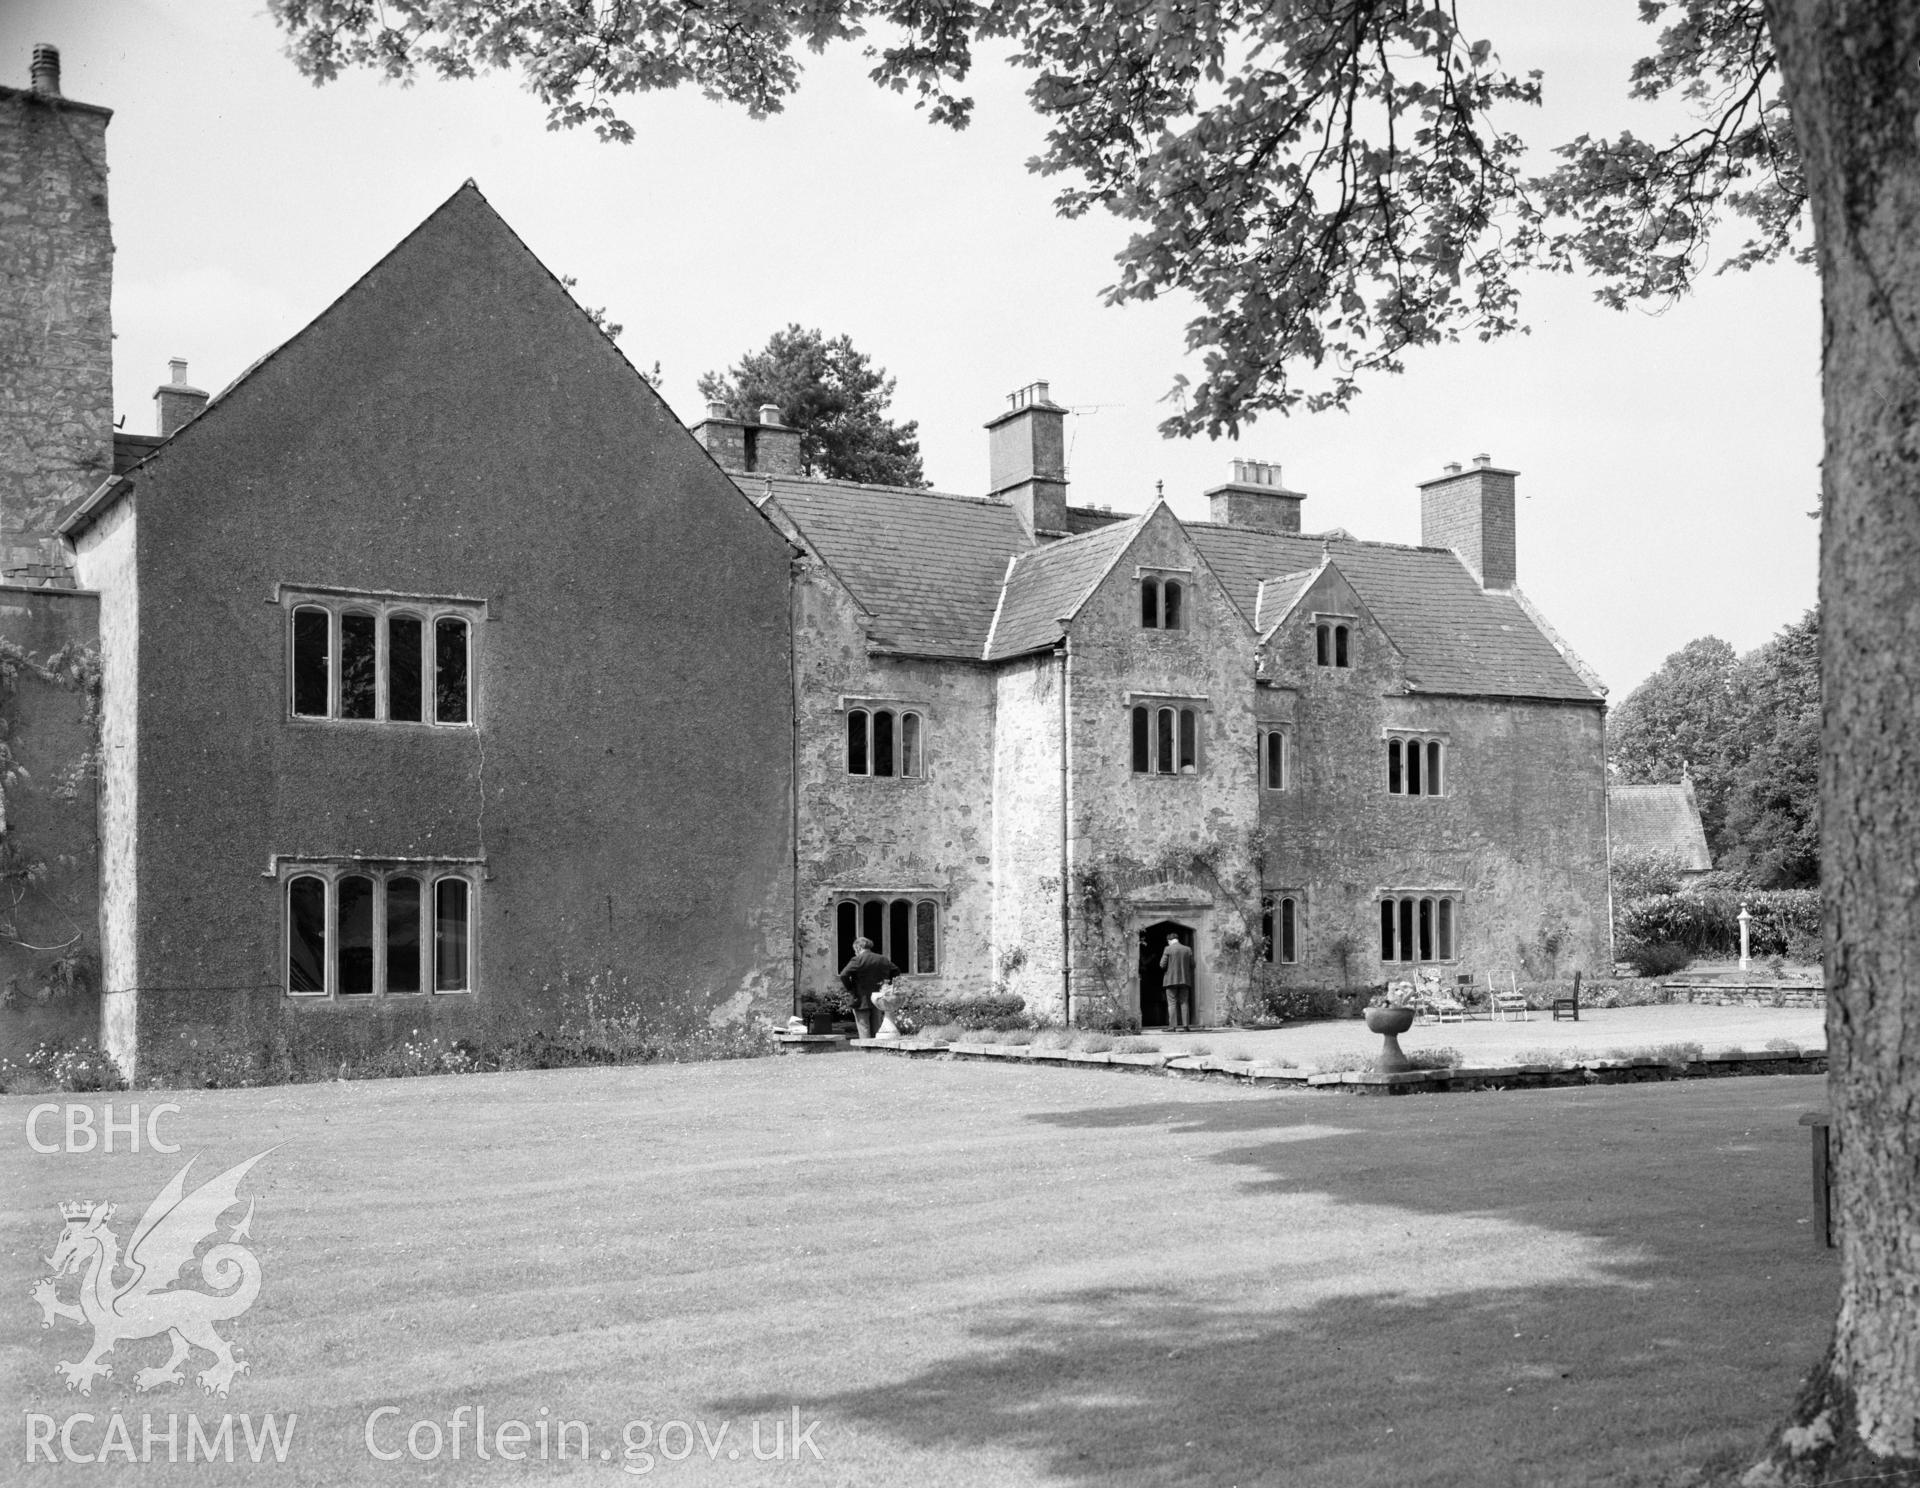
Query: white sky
{"type": "Point", "coordinates": [1667, 461]}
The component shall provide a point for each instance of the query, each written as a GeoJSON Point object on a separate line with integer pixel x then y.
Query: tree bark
{"type": "Point", "coordinates": [1852, 73]}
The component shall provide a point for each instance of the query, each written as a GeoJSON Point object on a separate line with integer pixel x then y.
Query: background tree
{"type": "Point", "coordinates": [1772, 823]}
{"type": "Point", "coordinates": [1680, 721]}
{"type": "Point", "coordinates": [1748, 731]}
{"type": "Point", "coordinates": [834, 396]}
{"type": "Point", "coordinates": [1326, 179]}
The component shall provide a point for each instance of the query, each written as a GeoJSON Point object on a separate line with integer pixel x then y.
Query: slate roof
{"type": "Point", "coordinates": [926, 566]}
{"type": "Point", "coordinates": [1275, 597]}
{"type": "Point", "coordinates": [933, 572]}
{"type": "Point", "coordinates": [1457, 637]}
{"type": "Point", "coordinates": [1048, 583]}
{"type": "Point", "coordinates": [1658, 818]}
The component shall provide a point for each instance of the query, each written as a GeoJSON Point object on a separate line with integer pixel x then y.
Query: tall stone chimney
{"type": "Point", "coordinates": [56, 331]}
{"type": "Point", "coordinates": [1471, 511]}
{"type": "Point", "coordinates": [174, 402]}
{"type": "Point", "coordinates": [1027, 459]}
{"type": "Point", "coordinates": [1255, 499]}
{"type": "Point", "coordinates": [767, 447]}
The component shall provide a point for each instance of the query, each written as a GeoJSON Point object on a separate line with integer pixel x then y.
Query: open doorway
{"type": "Point", "coordinates": [1153, 995]}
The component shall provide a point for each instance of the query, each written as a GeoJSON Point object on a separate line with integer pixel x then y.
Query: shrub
{"type": "Point", "coordinates": [1656, 960]}
{"type": "Point", "coordinates": [917, 1009]}
{"type": "Point", "coordinates": [1444, 1057]}
{"type": "Point", "coordinates": [1095, 1043]}
{"type": "Point", "coordinates": [835, 1002]}
{"type": "Point", "coordinates": [1104, 1019]}
{"type": "Point", "coordinates": [1641, 875]}
{"type": "Point", "coordinates": [1137, 1046]}
{"type": "Point", "coordinates": [1284, 1003]}
{"type": "Point", "coordinates": [1708, 924]}
{"type": "Point", "coordinates": [77, 1064]}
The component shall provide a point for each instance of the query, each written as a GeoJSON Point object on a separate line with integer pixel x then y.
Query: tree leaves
{"type": "Point", "coordinates": [1747, 729]}
{"type": "Point", "coordinates": [1332, 182]}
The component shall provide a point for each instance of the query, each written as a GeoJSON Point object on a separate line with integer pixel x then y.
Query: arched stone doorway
{"type": "Point", "coordinates": [1153, 996]}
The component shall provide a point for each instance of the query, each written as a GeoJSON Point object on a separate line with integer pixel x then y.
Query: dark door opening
{"type": "Point", "coordinates": [1153, 996]}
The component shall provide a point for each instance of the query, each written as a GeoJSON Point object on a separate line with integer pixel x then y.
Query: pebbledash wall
{"type": "Point", "coordinates": [618, 800]}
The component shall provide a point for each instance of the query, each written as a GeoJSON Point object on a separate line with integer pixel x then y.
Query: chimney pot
{"type": "Point", "coordinates": [46, 70]}
{"type": "Point", "coordinates": [1255, 499]}
{"type": "Point", "coordinates": [176, 402]}
{"type": "Point", "coordinates": [716, 409]}
{"type": "Point", "coordinates": [1483, 461]}
{"type": "Point", "coordinates": [1452, 467]}
{"type": "Point", "coordinates": [769, 413]}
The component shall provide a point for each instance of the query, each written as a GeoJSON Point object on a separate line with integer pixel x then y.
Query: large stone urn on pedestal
{"type": "Point", "coordinates": [886, 999]}
{"type": "Point", "coordinates": [1390, 1022]}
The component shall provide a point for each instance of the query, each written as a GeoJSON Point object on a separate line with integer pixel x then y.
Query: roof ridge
{"type": "Point", "coordinates": [830, 483]}
{"type": "Point", "coordinates": [1329, 535]}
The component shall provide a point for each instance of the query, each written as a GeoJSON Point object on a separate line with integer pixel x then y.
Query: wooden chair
{"type": "Point", "coordinates": [1508, 1004]}
{"type": "Point", "coordinates": [1463, 994]}
{"type": "Point", "coordinates": [1568, 1007]}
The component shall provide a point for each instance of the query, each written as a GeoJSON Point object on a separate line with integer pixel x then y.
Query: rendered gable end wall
{"type": "Point", "coordinates": [622, 791]}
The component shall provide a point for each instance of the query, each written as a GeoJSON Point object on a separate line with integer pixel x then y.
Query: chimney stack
{"type": "Point", "coordinates": [768, 447]}
{"type": "Point", "coordinates": [175, 403]}
{"type": "Point", "coordinates": [1027, 459]}
{"type": "Point", "coordinates": [45, 73]}
{"type": "Point", "coordinates": [56, 323]}
{"type": "Point", "coordinates": [1471, 512]}
{"type": "Point", "coordinates": [1255, 499]}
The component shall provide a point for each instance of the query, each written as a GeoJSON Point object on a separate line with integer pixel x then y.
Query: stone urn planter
{"type": "Point", "coordinates": [1390, 1023]}
{"type": "Point", "coordinates": [886, 999]}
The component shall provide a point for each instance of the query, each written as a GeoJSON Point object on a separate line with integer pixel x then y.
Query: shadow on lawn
{"type": "Point", "coordinates": [1667, 1300]}
{"type": "Point", "coordinates": [1099, 1388]}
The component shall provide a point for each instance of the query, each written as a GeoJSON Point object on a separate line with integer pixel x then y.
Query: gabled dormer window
{"type": "Point", "coordinates": [1163, 602]}
{"type": "Point", "coordinates": [1333, 643]}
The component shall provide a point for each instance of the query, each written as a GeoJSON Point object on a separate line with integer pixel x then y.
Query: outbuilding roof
{"type": "Point", "coordinates": [1658, 818]}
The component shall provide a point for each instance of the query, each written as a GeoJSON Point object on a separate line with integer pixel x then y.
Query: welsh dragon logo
{"type": "Point", "coordinates": [147, 1303]}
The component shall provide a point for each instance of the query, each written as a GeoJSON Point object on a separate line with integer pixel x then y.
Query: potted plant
{"type": "Point", "coordinates": [820, 1010]}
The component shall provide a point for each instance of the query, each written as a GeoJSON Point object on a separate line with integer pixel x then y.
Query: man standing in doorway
{"type": "Point", "coordinates": [1176, 977]}
{"type": "Point", "coordinates": [864, 975]}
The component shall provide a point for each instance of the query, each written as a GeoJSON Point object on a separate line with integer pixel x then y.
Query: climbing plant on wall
{"type": "Point", "coordinates": [1101, 947]}
{"type": "Point", "coordinates": [26, 865]}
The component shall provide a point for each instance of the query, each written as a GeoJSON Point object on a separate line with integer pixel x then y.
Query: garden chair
{"type": "Point", "coordinates": [1568, 1007]}
{"type": "Point", "coordinates": [1436, 1003]}
{"type": "Point", "coordinates": [1508, 1004]}
{"type": "Point", "coordinates": [1463, 994]}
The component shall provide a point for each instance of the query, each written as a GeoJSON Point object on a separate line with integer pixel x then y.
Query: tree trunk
{"type": "Point", "coordinates": [1852, 72]}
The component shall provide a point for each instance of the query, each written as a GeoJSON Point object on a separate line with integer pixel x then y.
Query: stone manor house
{"type": "Point", "coordinates": [446, 678]}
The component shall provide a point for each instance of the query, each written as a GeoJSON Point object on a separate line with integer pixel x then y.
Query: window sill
{"type": "Point", "coordinates": [310, 720]}
{"type": "Point", "coordinates": [365, 999]}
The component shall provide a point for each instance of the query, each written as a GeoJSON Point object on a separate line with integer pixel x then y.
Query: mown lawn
{"type": "Point", "coordinates": [970, 1274]}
